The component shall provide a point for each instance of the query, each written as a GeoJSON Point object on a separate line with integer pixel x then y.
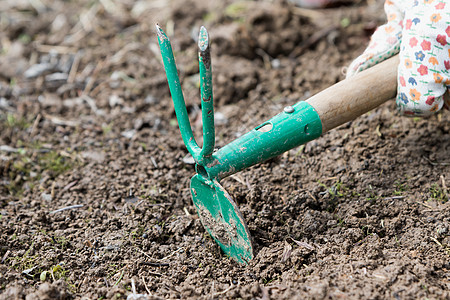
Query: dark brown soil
{"type": "Point", "coordinates": [87, 121]}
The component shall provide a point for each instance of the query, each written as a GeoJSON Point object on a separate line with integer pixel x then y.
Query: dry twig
{"type": "Point", "coordinates": [67, 208]}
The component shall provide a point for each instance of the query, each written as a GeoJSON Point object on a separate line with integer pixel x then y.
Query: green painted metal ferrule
{"type": "Point", "coordinates": [293, 127]}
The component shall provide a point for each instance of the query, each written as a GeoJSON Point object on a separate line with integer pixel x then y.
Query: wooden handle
{"type": "Point", "coordinates": [357, 95]}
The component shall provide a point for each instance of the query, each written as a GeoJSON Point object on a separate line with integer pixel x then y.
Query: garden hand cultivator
{"type": "Point", "coordinates": [294, 126]}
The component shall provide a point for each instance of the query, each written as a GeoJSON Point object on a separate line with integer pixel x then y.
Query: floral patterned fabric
{"type": "Point", "coordinates": [420, 31]}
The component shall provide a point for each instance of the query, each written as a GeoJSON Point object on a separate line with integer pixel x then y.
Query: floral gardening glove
{"type": "Point", "coordinates": [420, 31]}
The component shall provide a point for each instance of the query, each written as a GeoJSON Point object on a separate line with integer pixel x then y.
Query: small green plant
{"type": "Point", "coordinates": [236, 10]}
{"type": "Point", "coordinates": [25, 38]}
{"type": "Point", "coordinates": [107, 128]}
{"type": "Point", "coordinates": [397, 241]}
{"type": "Point", "coordinates": [14, 122]}
{"type": "Point", "coordinates": [55, 273]}
{"type": "Point", "coordinates": [138, 232]}
{"type": "Point", "coordinates": [144, 146]}
{"type": "Point", "coordinates": [209, 17]}
{"type": "Point", "coordinates": [23, 263]}
{"type": "Point", "coordinates": [438, 193]}
{"type": "Point", "coordinates": [26, 263]}
{"type": "Point", "coordinates": [400, 188]}
{"type": "Point", "coordinates": [337, 190]}
{"type": "Point", "coordinates": [366, 230]}
{"type": "Point", "coordinates": [270, 280]}
{"type": "Point", "coordinates": [371, 195]}
{"type": "Point", "coordinates": [28, 166]}
{"type": "Point", "coordinates": [62, 242]}
{"type": "Point", "coordinates": [55, 162]}
{"type": "Point", "coordinates": [345, 22]}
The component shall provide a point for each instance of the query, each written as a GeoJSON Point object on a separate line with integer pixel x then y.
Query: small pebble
{"type": "Point", "coordinates": [46, 197]}
{"type": "Point", "coordinates": [38, 69]}
{"type": "Point", "coordinates": [189, 160]}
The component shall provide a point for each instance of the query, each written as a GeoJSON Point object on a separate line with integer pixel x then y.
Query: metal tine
{"type": "Point", "coordinates": [177, 95]}
{"type": "Point", "coordinates": [204, 56]}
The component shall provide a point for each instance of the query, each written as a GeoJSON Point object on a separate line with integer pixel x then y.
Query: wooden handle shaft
{"type": "Point", "coordinates": [357, 95]}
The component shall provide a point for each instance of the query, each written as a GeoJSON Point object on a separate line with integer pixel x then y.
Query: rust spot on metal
{"type": "Point", "coordinates": [206, 58]}
{"type": "Point", "coordinates": [160, 32]}
{"type": "Point", "coordinates": [204, 47]}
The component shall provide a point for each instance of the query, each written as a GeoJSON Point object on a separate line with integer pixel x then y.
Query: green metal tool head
{"type": "Point", "coordinates": [218, 212]}
{"type": "Point", "coordinates": [221, 218]}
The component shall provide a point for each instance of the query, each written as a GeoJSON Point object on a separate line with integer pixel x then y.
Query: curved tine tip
{"type": "Point", "coordinates": [203, 39]}
{"type": "Point", "coordinates": [160, 32]}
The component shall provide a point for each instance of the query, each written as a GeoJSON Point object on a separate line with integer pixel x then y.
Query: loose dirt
{"type": "Point", "coordinates": [94, 176]}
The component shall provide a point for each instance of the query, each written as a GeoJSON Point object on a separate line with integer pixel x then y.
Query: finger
{"type": "Point", "coordinates": [385, 42]}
